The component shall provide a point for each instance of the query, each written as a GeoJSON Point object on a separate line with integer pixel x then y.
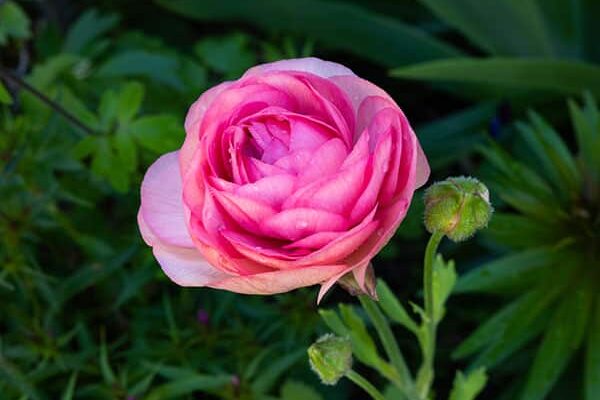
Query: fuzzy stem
{"type": "Point", "coordinates": [365, 385]}
{"type": "Point", "coordinates": [426, 374]}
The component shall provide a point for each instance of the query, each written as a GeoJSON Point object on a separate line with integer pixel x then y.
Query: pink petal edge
{"type": "Point", "coordinates": [162, 204]}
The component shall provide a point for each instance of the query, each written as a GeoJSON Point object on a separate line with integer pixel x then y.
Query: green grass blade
{"type": "Point", "coordinates": [556, 76]}
{"type": "Point", "coordinates": [563, 336]}
{"type": "Point", "coordinates": [592, 355]}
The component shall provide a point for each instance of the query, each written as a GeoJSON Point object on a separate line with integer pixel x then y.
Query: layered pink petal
{"type": "Point", "coordinates": [187, 267]}
{"type": "Point", "coordinates": [324, 69]}
{"type": "Point", "coordinates": [193, 121]}
{"type": "Point", "coordinates": [161, 202]}
{"type": "Point", "coordinates": [296, 223]}
{"type": "Point", "coordinates": [279, 281]}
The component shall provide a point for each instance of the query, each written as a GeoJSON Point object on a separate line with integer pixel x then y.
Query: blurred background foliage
{"type": "Point", "coordinates": [87, 313]}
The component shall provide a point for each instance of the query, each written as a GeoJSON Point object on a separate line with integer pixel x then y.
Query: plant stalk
{"type": "Point", "coordinates": [426, 373]}
{"type": "Point", "coordinates": [365, 385]}
{"type": "Point", "coordinates": [9, 76]}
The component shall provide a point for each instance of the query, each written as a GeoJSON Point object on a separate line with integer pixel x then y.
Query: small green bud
{"type": "Point", "coordinates": [457, 207]}
{"type": "Point", "coordinates": [330, 358]}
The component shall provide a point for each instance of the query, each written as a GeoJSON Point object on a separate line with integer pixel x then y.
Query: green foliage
{"type": "Point", "coordinates": [4, 95]}
{"type": "Point", "coordinates": [467, 387]}
{"type": "Point", "coordinates": [348, 323]}
{"type": "Point", "coordinates": [334, 23]}
{"type": "Point", "coordinates": [14, 23]}
{"type": "Point", "coordinates": [554, 274]}
{"type": "Point", "coordinates": [86, 311]}
{"type": "Point", "coordinates": [554, 76]}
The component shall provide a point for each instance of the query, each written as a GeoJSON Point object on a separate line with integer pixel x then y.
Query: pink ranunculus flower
{"type": "Point", "coordinates": [294, 175]}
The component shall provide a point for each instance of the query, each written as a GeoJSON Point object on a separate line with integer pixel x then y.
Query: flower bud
{"type": "Point", "coordinates": [353, 285]}
{"type": "Point", "coordinates": [457, 207]}
{"type": "Point", "coordinates": [330, 358]}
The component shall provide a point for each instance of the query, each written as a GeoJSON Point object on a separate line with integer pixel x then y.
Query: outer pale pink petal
{"type": "Point", "coordinates": [313, 65]}
{"type": "Point", "coordinates": [279, 281]}
{"type": "Point", "coordinates": [187, 267]}
{"type": "Point", "coordinates": [326, 286]}
{"type": "Point", "coordinates": [358, 89]}
{"type": "Point", "coordinates": [423, 170]}
{"type": "Point", "coordinates": [193, 120]}
{"type": "Point", "coordinates": [161, 202]}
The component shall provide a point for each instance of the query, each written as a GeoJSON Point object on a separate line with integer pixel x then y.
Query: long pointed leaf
{"type": "Point", "coordinates": [336, 24]}
{"type": "Point", "coordinates": [484, 23]}
{"type": "Point", "coordinates": [515, 270]}
{"type": "Point", "coordinates": [592, 355]}
{"type": "Point", "coordinates": [557, 76]}
{"type": "Point", "coordinates": [563, 336]}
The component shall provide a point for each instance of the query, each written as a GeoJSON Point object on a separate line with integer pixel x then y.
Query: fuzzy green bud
{"type": "Point", "coordinates": [330, 358]}
{"type": "Point", "coordinates": [457, 207]}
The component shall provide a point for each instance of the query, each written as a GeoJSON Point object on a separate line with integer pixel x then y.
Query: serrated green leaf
{"type": "Point", "coordinates": [88, 28]}
{"type": "Point", "coordinates": [4, 95]}
{"type": "Point", "coordinates": [555, 76]}
{"type": "Point", "coordinates": [333, 23]}
{"type": "Point", "coordinates": [563, 336]}
{"type": "Point", "coordinates": [516, 270]}
{"type": "Point", "coordinates": [592, 354]}
{"type": "Point", "coordinates": [158, 133]}
{"type": "Point", "coordinates": [157, 67]}
{"type": "Point", "coordinates": [108, 109]}
{"type": "Point", "coordinates": [77, 107]}
{"type": "Point", "coordinates": [129, 101]}
{"type": "Point", "coordinates": [443, 280]}
{"type": "Point", "coordinates": [50, 71]}
{"type": "Point", "coordinates": [469, 386]}
{"type": "Point", "coordinates": [84, 147]}
{"type": "Point", "coordinates": [13, 22]}
{"type": "Point", "coordinates": [107, 164]}
{"type": "Point", "coordinates": [293, 390]}
{"type": "Point", "coordinates": [363, 345]}
{"type": "Point", "coordinates": [393, 308]}
{"type": "Point", "coordinates": [228, 55]}
{"type": "Point", "coordinates": [126, 150]}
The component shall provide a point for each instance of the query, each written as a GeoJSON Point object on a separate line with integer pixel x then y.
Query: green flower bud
{"type": "Point", "coordinates": [331, 358]}
{"type": "Point", "coordinates": [457, 207]}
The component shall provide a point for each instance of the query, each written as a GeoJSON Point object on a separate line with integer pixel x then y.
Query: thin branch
{"type": "Point", "coordinates": [9, 76]}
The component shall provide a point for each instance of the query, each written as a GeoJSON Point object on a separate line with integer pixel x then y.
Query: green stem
{"type": "Point", "coordinates": [365, 385]}
{"type": "Point", "coordinates": [9, 76]}
{"type": "Point", "coordinates": [426, 373]}
{"type": "Point", "coordinates": [389, 344]}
